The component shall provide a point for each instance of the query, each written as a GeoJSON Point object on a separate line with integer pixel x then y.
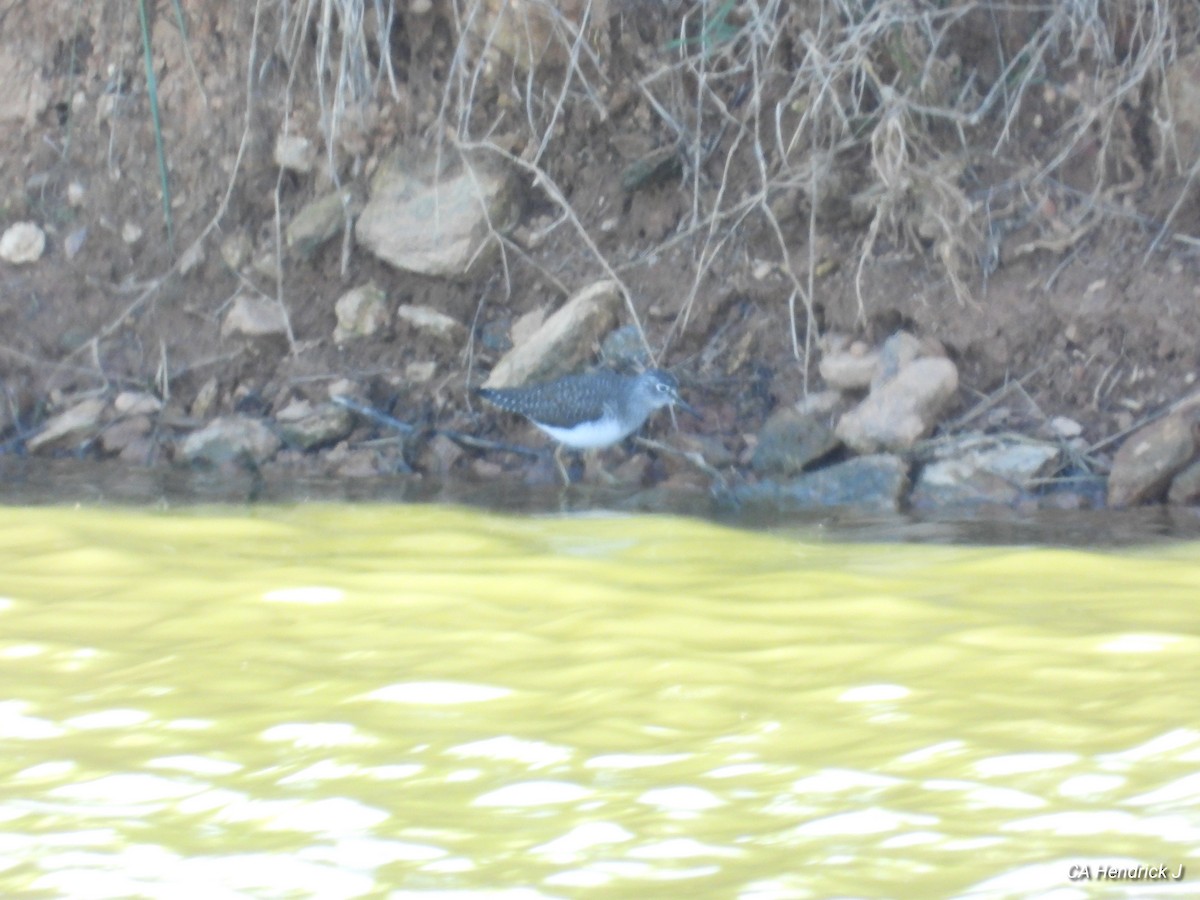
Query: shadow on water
{"type": "Point", "coordinates": [69, 482]}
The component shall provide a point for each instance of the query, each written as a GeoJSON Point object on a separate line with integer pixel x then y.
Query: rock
{"type": "Point", "coordinates": [875, 482]}
{"type": "Point", "coordinates": [1148, 460]}
{"type": "Point", "coordinates": [136, 403]}
{"type": "Point", "coordinates": [192, 257]}
{"type": "Point", "coordinates": [206, 399]}
{"type": "Point", "coordinates": [141, 451]}
{"type": "Point", "coordinates": [633, 470]}
{"type": "Point", "coordinates": [440, 455]}
{"type": "Point", "coordinates": [528, 33]}
{"type": "Point", "coordinates": [493, 335]}
{"type": "Point", "coordinates": [486, 469]}
{"type": "Point", "coordinates": [80, 420]}
{"type": "Point", "coordinates": [236, 249]}
{"type": "Point", "coordinates": [1064, 427]}
{"type": "Point", "coordinates": [420, 372]}
{"type": "Point", "coordinates": [342, 387]}
{"type": "Point", "coordinates": [74, 241]}
{"type": "Point", "coordinates": [231, 439]}
{"type": "Point", "coordinates": [851, 369]}
{"type": "Point", "coordinates": [22, 242]}
{"type": "Point", "coordinates": [121, 434]}
{"type": "Point", "coordinates": [528, 324]}
{"type": "Point", "coordinates": [319, 220]}
{"type": "Point", "coordinates": [361, 312]}
{"type": "Point", "coordinates": [895, 415]}
{"type": "Point", "coordinates": [1185, 487]}
{"type": "Point", "coordinates": [694, 453]}
{"type": "Point", "coordinates": [254, 317]}
{"type": "Point", "coordinates": [944, 485]}
{"type": "Point", "coordinates": [897, 352]}
{"type": "Point", "coordinates": [295, 152]}
{"type": "Point", "coordinates": [708, 448]}
{"type": "Point", "coordinates": [432, 323]}
{"type": "Point", "coordinates": [131, 232]}
{"type": "Point", "coordinates": [563, 342]}
{"type": "Point", "coordinates": [266, 264]}
{"type": "Point", "coordinates": [624, 349]}
{"type": "Point", "coordinates": [792, 438]}
{"type": "Point", "coordinates": [309, 428]}
{"type": "Point", "coordinates": [1018, 460]}
{"type": "Point", "coordinates": [437, 226]}
{"type": "Point", "coordinates": [983, 469]}
{"type": "Point", "coordinates": [344, 462]}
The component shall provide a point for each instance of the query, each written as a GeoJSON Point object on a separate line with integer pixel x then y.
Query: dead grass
{"type": "Point", "coordinates": [971, 132]}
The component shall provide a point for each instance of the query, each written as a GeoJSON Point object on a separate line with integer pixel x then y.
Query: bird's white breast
{"type": "Point", "coordinates": [589, 436]}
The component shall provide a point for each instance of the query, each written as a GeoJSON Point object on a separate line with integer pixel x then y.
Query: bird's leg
{"type": "Point", "coordinates": [562, 469]}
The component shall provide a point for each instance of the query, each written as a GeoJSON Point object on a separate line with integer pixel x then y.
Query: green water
{"type": "Point", "coordinates": [424, 702]}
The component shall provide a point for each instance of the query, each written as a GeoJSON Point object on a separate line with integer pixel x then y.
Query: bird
{"type": "Point", "coordinates": [591, 410]}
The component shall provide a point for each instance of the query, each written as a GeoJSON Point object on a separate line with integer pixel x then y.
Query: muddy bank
{"type": "Point", "coordinates": [390, 228]}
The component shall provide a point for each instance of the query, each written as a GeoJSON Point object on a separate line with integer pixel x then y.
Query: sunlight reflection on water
{"type": "Point", "coordinates": [428, 702]}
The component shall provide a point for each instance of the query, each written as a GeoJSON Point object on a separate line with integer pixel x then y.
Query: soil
{"type": "Point", "coordinates": [1101, 329]}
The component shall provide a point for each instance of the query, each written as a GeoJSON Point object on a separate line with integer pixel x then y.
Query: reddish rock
{"type": "Point", "coordinates": [1149, 459]}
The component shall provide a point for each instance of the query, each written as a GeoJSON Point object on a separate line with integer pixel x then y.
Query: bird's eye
{"type": "Point", "coordinates": [663, 388]}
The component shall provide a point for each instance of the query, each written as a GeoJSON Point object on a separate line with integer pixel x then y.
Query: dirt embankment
{"type": "Point", "coordinates": [1014, 182]}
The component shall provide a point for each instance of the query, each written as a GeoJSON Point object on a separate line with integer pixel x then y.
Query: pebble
{"type": "Point", "coordinates": [21, 243]}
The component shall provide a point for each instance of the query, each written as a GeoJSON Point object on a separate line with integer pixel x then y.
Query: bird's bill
{"type": "Point", "coordinates": [680, 403]}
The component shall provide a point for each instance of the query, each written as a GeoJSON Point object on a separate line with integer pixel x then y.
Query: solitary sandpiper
{"type": "Point", "coordinates": [587, 412]}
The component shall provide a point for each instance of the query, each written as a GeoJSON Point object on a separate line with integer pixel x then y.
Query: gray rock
{"type": "Point", "coordinates": [432, 323]}
{"type": "Point", "coordinates": [420, 372]}
{"type": "Point", "coordinates": [794, 437]}
{"type": "Point", "coordinates": [192, 258]}
{"type": "Point", "coordinates": [1017, 460]}
{"type": "Point", "coordinates": [624, 349]}
{"type": "Point", "coordinates": [979, 469]}
{"type": "Point", "coordinates": [231, 439]}
{"type": "Point", "coordinates": [440, 455]}
{"type": "Point", "coordinates": [494, 337]}
{"type": "Point", "coordinates": [437, 226]}
{"type": "Point", "coordinates": [897, 352]}
{"type": "Point", "coordinates": [254, 317]}
{"type": "Point", "coordinates": [319, 220]}
{"type": "Point", "coordinates": [236, 249]}
{"type": "Point", "coordinates": [564, 340]}
{"type": "Point", "coordinates": [361, 312]}
{"type": "Point", "coordinates": [74, 423]}
{"type": "Point", "coordinates": [895, 415]}
{"type": "Point", "coordinates": [1150, 458]}
{"type": "Point", "coordinates": [311, 427]}
{"type": "Point", "coordinates": [1185, 487]}
{"type": "Point", "coordinates": [136, 403]}
{"type": "Point", "coordinates": [1064, 427]}
{"type": "Point", "coordinates": [295, 152]}
{"type": "Point", "coordinates": [120, 435]}
{"type": "Point", "coordinates": [876, 482]}
{"type": "Point", "coordinates": [944, 485]}
{"type": "Point", "coordinates": [74, 241]}
{"type": "Point", "coordinates": [267, 264]}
